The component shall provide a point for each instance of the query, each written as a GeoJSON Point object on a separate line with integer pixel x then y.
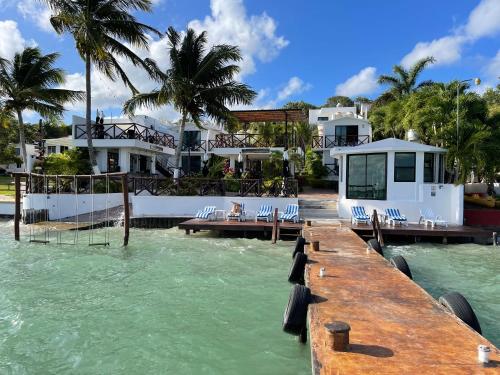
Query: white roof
{"type": "Point", "coordinates": [389, 144]}
{"type": "Point", "coordinates": [63, 141]}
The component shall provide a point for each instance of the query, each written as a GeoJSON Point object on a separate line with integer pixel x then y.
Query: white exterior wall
{"type": "Point", "coordinates": [65, 205]}
{"type": "Point", "coordinates": [172, 206]}
{"type": "Point", "coordinates": [328, 127]}
{"type": "Point", "coordinates": [445, 200]}
{"type": "Point", "coordinates": [7, 208]}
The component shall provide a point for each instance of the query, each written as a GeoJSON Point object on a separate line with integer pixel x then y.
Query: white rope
{"type": "Point", "coordinates": [91, 231]}
{"type": "Point", "coordinates": [75, 181]}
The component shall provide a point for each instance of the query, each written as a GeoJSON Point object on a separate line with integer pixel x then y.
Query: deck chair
{"type": "Point", "coordinates": [394, 216]}
{"type": "Point", "coordinates": [359, 215]}
{"type": "Point", "coordinates": [240, 216]}
{"type": "Point", "coordinates": [206, 214]}
{"type": "Point", "coordinates": [427, 216]}
{"type": "Point", "coordinates": [291, 213]}
{"type": "Point", "coordinates": [265, 213]}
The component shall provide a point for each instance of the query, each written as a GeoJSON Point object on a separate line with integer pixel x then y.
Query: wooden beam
{"type": "Point", "coordinates": [17, 213]}
{"type": "Point", "coordinates": [275, 226]}
{"type": "Point", "coordinates": [126, 210]}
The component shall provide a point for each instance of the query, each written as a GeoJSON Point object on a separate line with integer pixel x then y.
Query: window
{"type": "Point", "coordinates": [429, 167]}
{"type": "Point", "coordinates": [51, 150]}
{"type": "Point", "coordinates": [64, 149]}
{"type": "Point", "coordinates": [404, 167]}
{"type": "Point", "coordinates": [367, 176]}
{"type": "Point", "coordinates": [441, 169]}
{"type": "Point", "coordinates": [346, 135]}
{"type": "Point", "coordinates": [192, 139]}
{"type": "Point", "coordinates": [323, 118]}
{"type": "Point", "coordinates": [191, 164]}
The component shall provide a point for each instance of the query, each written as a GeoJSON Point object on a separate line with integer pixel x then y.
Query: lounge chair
{"type": "Point", "coordinates": [428, 217]}
{"type": "Point", "coordinates": [291, 213]}
{"type": "Point", "coordinates": [240, 216]}
{"type": "Point", "coordinates": [265, 213]}
{"type": "Point", "coordinates": [394, 216]}
{"type": "Point", "coordinates": [207, 213]}
{"type": "Point", "coordinates": [359, 215]}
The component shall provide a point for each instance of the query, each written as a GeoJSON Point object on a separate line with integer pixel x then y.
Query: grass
{"type": "Point", "coordinates": [5, 186]}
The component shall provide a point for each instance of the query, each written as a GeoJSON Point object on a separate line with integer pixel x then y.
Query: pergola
{"type": "Point", "coordinates": [271, 115]}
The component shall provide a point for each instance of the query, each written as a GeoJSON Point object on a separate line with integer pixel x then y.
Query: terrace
{"type": "Point", "coordinates": [331, 141]}
{"type": "Point", "coordinates": [126, 131]}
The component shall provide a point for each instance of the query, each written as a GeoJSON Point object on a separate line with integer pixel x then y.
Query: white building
{"type": "Point", "coordinates": [19, 167]}
{"type": "Point", "coordinates": [132, 145]}
{"type": "Point", "coordinates": [58, 145]}
{"type": "Point", "coordinates": [338, 127]}
{"type": "Point", "coordinates": [397, 174]}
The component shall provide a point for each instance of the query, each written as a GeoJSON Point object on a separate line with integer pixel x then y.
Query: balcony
{"type": "Point", "coordinates": [331, 141]}
{"type": "Point", "coordinates": [244, 140]}
{"type": "Point", "coordinates": [126, 131]}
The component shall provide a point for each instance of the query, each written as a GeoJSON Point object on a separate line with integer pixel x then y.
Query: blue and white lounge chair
{"type": "Point", "coordinates": [428, 217]}
{"type": "Point", "coordinates": [359, 215]}
{"type": "Point", "coordinates": [240, 216]}
{"type": "Point", "coordinates": [207, 213]}
{"type": "Point", "coordinates": [265, 213]}
{"type": "Point", "coordinates": [394, 216]}
{"type": "Point", "coordinates": [291, 213]}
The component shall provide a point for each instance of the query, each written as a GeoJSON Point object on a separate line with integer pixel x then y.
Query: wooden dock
{"type": "Point", "coordinates": [261, 228]}
{"type": "Point", "coordinates": [420, 230]}
{"type": "Point", "coordinates": [396, 327]}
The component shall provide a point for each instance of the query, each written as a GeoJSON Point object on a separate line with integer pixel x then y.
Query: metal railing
{"type": "Point", "coordinates": [126, 131]}
{"type": "Point", "coordinates": [244, 140]}
{"type": "Point", "coordinates": [191, 186]}
{"type": "Point", "coordinates": [330, 141]}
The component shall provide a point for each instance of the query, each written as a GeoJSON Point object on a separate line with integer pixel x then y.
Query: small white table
{"type": "Point", "coordinates": [219, 214]}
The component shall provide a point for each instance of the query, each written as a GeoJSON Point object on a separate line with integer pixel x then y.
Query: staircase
{"type": "Point", "coordinates": [319, 210]}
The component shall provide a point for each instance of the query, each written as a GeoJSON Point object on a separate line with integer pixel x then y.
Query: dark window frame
{"type": "Point", "coordinates": [366, 173]}
{"type": "Point", "coordinates": [433, 168]}
{"type": "Point", "coordinates": [414, 166]}
{"type": "Point", "coordinates": [323, 118]}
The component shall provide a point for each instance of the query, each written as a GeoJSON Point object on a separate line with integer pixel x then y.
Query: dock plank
{"type": "Point", "coordinates": [396, 327]}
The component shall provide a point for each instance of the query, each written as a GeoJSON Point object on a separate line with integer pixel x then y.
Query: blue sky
{"type": "Point", "coordinates": [295, 50]}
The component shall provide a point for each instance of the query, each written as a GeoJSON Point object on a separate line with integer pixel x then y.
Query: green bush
{"type": "Point", "coordinates": [314, 165]}
{"type": "Point", "coordinates": [71, 162]}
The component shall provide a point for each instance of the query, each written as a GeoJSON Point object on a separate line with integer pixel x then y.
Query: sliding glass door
{"type": "Point", "coordinates": [367, 176]}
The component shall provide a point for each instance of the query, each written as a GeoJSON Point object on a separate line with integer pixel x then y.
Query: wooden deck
{"type": "Point", "coordinates": [196, 225]}
{"type": "Point", "coordinates": [396, 327]}
{"type": "Point", "coordinates": [423, 231]}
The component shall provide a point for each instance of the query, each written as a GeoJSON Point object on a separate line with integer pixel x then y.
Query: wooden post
{"type": "Point", "coordinates": [339, 335]}
{"type": "Point", "coordinates": [315, 245]}
{"type": "Point", "coordinates": [275, 226]}
{"type": "Point", "coordinates": [308, 223]}
{"type": "Point", "coordinates": [17, 213]}
{"type": "Point", "coordinates": [126, 210]}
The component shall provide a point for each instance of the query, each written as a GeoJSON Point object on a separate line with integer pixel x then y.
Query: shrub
{"type": "Point", "coordinates": [71, 162]}
{"type": "Point", "coordinates": [314, 165]}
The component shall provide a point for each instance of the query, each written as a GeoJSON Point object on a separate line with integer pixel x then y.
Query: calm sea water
{"type": "Point", "coordinates": [169, 303]}
{"type": "Point", "coordinates": [472, 270]}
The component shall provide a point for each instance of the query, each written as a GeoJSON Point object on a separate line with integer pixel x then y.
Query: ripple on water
{"type": "Point", "coordinates": [169, 303]}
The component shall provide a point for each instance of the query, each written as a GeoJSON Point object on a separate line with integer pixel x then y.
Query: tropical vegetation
{"type": "Point", "coordinates": [27, 84]}
{"type": "Point", "coordinates": [103, 30]}
{"type": "Point", "coordinates": [198, 84]}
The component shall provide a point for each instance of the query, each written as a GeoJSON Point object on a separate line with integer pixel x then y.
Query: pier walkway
{"type": "Point", "coordinates": [396, 327]}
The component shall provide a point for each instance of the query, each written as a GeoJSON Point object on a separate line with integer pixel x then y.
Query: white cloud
{"type": "Point", "coordinates": [110, 95]}
{"type": "Point", "coordinates": [294, 86]}
{"type": "Point", "coordinates": [255, 35]}
{"type": "Point", "coordinates": [11, 40]}
{"type": "Point", "coordinates": [363, 83]}
{"type": "Point", "coordinates": [493, 68]}
{"type": "Point", "coordinates": [37, 11]}
{"type": "Point", "coordinates": [483, 21]}
{"type": "Point", "coordinates": [445, 50]}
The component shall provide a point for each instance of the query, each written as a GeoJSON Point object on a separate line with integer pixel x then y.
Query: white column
{"type": "Point", "coordinates": [153, 164]}
{"type": "Point", "coordinates": [232, 162]}
{"type": "Point", "coordinates": [124, 160]}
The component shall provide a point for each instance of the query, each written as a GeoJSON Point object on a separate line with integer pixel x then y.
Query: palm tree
{"type": "Point", "coordinates": [404, 81]}
{"type": "Point", "coordinates": [100, 29]}
{"type": "Point", "coordinates": [197, 84]}
{"type": "Point", "coordinates": [26, 84]}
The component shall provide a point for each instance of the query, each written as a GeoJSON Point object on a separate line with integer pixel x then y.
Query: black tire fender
{"type": "Point", "coordinates": [460, 307]}
{"type": "Point", "coordinates": [400, 263]}
{"type": "Point", "coordinates": [296, 275]}
{"type": "Point", "coordinates": [295, 317]}
{"type": "Point", "coordinates": [374, 244]}
{"type": "Point", "coordinates": [299, 246]}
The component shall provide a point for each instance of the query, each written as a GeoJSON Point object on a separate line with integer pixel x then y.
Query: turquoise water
{"type": "Point", "coordinates": [472, 270]}
{"type": "Point", "coordinates": [168, 304]}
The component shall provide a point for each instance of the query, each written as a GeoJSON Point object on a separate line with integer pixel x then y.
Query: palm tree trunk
{"type": "Point", "coordinates": [88, 114]}
{"type": "Point", "coordinates": [181, 140]}
{"type": "Point", "coordinates": [22, 141]}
